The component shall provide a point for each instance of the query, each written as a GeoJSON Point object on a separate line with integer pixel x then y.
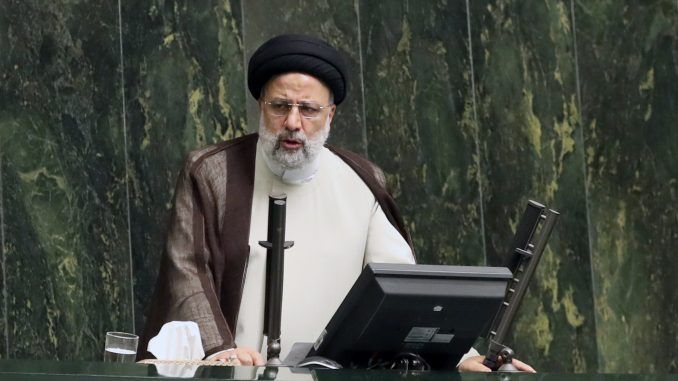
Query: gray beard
{"type": "Point", "coordinates": [295, 159]}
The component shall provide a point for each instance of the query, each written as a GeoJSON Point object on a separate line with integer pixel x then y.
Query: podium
{"type": "Point", "coordinates": [41, 370]}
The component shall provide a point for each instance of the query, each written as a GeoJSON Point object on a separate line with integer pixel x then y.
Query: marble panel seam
{"type": "Point", "coordinates": [244, 59]}
{"type": "Point", "coordinates": [127, 174]}
{"type": "Point", "coordinates": [587, 200]}
{"type": "Point", "coordinates": [3, 267]}
{"type": "Point", "coordinates": [481, 210]}
{"type": "Point", "coordinates": [356, 6]}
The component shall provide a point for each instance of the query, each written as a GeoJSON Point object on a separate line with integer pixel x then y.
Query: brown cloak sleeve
{"type": "Point", "coordinates": [203, 265]}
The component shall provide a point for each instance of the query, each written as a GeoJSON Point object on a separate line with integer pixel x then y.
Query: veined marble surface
{"type": "Point", "coordinates": [471, 107]}
{"type": "Point", "coordinates": [531, 136]}
{"type": "Point", "coordinates": [629, 70]}
{"type": "Point", "coordinates": [66, 253]}
{"type": "Point", "coordinates": [420, 123]}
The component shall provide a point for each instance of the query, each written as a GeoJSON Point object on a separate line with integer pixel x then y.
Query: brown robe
{"type": "Point", "coordinates": [202, 270]}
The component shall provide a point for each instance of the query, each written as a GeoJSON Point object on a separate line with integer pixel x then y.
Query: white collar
{"type": "Point", "coordinates": [293, 176]}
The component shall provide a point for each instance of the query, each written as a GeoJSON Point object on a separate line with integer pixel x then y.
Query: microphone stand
{"type": "Point", "coordinates": [528, 245]}
{"type": "Point", "coordinates": [275, 265]}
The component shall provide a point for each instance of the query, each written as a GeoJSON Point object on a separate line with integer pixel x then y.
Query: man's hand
{"type": "Point", "coordinates": [242, 356]}
{"type": "Point", "coordinates": [475, 364]}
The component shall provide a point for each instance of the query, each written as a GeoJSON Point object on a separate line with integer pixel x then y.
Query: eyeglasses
{"type": "Point", "coordinates": [308, 110]}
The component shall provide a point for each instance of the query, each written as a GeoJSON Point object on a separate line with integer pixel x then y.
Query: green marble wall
{"type": "Point", "coordinates": [629, 69]}
{"type": "Point", "coordinates": [472, 107]}
{"type": "Point", "coordinates": [420, 122]}
{"type": "Point", "coordinates": [4, 347]}
{"type": "Point", "coordinates": [65, 253]}
{"type": "Point", "coordinates": [531, 136]}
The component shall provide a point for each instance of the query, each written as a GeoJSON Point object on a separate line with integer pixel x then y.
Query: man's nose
{"type": "Point", "coordinates": [293, 121]}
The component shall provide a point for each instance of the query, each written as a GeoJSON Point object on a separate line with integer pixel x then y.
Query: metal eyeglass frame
{"type": "Point", "coordinates": [298, 106]}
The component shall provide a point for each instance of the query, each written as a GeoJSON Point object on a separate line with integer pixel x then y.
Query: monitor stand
{"type": "Point", "coordinates": [297, 358]}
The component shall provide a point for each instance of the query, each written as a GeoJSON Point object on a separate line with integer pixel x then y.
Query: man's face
{"type": "Point", "coordinates": [294, 136]}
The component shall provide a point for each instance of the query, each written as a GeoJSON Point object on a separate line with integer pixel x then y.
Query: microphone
{"type": "Point", "coordinates": [275, 266]}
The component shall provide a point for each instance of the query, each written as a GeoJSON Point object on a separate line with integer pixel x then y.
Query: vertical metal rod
{"type": "Point", "coordinates": [275, 266]}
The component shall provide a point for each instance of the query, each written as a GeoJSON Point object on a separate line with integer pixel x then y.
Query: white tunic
{"type": "Point", "coordinates": [337, 227]}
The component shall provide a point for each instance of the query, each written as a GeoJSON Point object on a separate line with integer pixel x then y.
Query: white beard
{"type": "Point", "coordinates": [292, 159]}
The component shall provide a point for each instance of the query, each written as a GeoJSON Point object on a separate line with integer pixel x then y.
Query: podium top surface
{"type": "Point", "coordinates": [36, 370]}
{"type": "Point", "coordinates": [440, 271]}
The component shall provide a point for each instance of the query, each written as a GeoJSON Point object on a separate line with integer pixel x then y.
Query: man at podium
{"type": "Point", "coordinates": [339, 213]}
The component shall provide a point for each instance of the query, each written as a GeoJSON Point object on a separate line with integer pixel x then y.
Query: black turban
{"type": "Point", "coordinates": [296, 53]}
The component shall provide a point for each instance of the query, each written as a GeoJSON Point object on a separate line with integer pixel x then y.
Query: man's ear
{"type": "Point", "coordinates": [333, 108]}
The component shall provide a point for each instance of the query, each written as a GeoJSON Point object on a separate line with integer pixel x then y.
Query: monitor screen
{"type": "Point", "coordinates": [434, 311]}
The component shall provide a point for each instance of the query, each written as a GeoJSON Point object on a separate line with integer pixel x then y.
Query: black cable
{"type": "Point", "coordinates": [402, 361]}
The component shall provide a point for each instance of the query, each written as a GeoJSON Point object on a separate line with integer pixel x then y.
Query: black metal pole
{"type": "Point", "coordinates": [275, 266]}
{"type": "Point", "coordinates": [528, 246]}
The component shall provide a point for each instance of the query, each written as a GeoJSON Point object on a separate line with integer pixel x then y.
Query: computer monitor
{"type": "Point", "coordinates": [434, 311]}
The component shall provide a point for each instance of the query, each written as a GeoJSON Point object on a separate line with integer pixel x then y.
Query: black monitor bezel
{"type": "Point", "coordinates": [370, 277]}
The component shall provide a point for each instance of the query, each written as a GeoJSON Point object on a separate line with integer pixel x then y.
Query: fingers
{"type": "Point", "coordinates": [244, 357]}
{"type": "Point", "coordinates": [475, 367]}
{"type": "Point", "coordinates": [473, 364]}
{"type": "Point", "coordinates": [257, 358]}
{"type": "Point", "coordinates": [249, 357]}
{"type": "Point", "coordinates": [522, 366]}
